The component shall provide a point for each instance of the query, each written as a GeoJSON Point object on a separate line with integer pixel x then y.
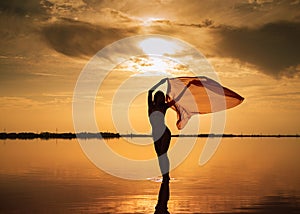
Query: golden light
{"type": "Point", "coordinates": [149, 20]}
{"type": "Point", "coordinates": [159, 46]}
{"type": "Point", "coordinates": [153, 66]}
{"type": "Point", "coordinates": [160, 57]}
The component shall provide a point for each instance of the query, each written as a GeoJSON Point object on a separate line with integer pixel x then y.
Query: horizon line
{"type": "Point", "coordinates": [93, 135]}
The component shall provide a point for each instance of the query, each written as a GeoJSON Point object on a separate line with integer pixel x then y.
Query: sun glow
{"type": "Point", "coordinates": [153, 66]}
{"type": "Point", "coordinates": [149, 20]}
{"type": "Point", "coordinates": [159, 46]}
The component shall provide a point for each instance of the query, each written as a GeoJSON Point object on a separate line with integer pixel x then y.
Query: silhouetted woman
{"type": "Point", "coordinates": [161, 134]}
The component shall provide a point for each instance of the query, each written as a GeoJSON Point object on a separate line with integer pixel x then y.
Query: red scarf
{"type": "Point", "coordinates": [203, 96]}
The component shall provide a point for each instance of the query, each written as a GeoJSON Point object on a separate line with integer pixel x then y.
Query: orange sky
{"type": "Point", "coordinates": [252, 45]}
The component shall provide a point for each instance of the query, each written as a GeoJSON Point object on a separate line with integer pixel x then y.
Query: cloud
{"type": "Point", "coordinates": [204, 24]}
{"type": "Point", "coordinates": [48, 100]}
{"type": "Point", "coordinates": [10, 102]}
{"type": "Point", "coordinates": [79, 39]}
{"type": "Point", "coordinates": [273, 48]}
{"type": "Point", "coordinates": [24, 7]}
{"type": "Point", "coordinates": [254, 5]}
{"type": "Point", "coordinates": [32, 26]}
{"type": "Point", "coordinates": [117, 15]}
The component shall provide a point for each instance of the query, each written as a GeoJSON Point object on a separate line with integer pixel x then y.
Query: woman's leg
{"type": "Point", "coordinates": [161, 148]}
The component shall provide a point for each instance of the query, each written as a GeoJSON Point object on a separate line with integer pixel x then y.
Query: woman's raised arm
{"type": "Point", "coordinates": [150, 92]}
{"type": "Point", "coordinates": [162, 81]}
{"type": "Point", "coordinates": [180, 95]}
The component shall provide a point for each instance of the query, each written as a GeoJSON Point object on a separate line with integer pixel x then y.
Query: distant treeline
{"type": "Point", "coordinates": [98, 135]}
{"type": "Point", "coordinates": [238, 135]}
{"type": "Point", "coordinates": [217, 135]}
{"type": "Point", "coordinates": [49, 135]}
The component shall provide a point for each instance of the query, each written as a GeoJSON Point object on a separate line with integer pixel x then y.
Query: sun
{"type": "Point", "coordinates": [158, 56]}
{"type": "Point", "coordinates": [160, 46]}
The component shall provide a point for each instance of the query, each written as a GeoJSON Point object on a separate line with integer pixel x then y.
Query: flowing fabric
{"type": "Point", "coordinates": [203, 96]}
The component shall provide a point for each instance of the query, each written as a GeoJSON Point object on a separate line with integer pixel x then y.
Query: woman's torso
{"type": "Point", "coordinates": [157, 120]}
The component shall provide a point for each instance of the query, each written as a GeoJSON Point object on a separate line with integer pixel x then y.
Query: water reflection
{"type": "Point", "coordinates": [274, 205]}
{"type": "Point", "coordinates": [163, 198]}
{"type": "Point", "coordinates": [256, 176]}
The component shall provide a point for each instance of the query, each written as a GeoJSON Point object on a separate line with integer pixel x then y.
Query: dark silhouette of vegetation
{"type": "Point", "coordinates": [238, 135]}
{"type": "Point", "coordinates": [219, 135]}
{"type": "Point", "coordinates": [49, 135]}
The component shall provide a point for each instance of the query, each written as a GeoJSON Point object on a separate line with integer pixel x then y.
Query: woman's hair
{"type": "Point", "coordinates": [159, 97]}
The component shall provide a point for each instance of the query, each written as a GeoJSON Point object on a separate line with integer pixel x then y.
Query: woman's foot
{"type": "Point", "coordinates": [166, 178]}
{"type": "Point", "coordinates": [161, 210]}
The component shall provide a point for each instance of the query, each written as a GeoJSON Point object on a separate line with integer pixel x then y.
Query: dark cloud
{"type": "Point", "coordinates": [203, 24]}
{"type": "Point", "coordinates": [79, 39]}
{"type": "Point", "coordinates": [101, 3]}
{"type": "Point", "coordinates": [274, 47]}
{"type": "Point", "coordinates": [119, 15]}
{"type": "Point", "coordinates": [178, 29]}
{"type": "Point", "coordinates": [265, 5]}
{"type": "Point", "coordinates": [24, 7]}
{"type": "Point", "coordinates": [253, 6]}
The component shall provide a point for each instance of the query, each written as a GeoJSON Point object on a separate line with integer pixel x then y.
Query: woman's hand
{"type": "Point", "coordinates": [195, 82]}
{"type": "Point", "coordinates": [163, 80]}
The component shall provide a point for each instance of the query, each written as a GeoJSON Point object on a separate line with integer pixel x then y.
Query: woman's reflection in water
{"type": "Point", "coordinates": [163, 198]}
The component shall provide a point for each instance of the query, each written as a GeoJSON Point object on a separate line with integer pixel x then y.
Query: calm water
{"type": "Point", "coordinates": [244, 176]}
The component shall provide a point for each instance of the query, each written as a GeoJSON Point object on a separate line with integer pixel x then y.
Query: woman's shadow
{"type": "Point", "coordinates": [163, 198]}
